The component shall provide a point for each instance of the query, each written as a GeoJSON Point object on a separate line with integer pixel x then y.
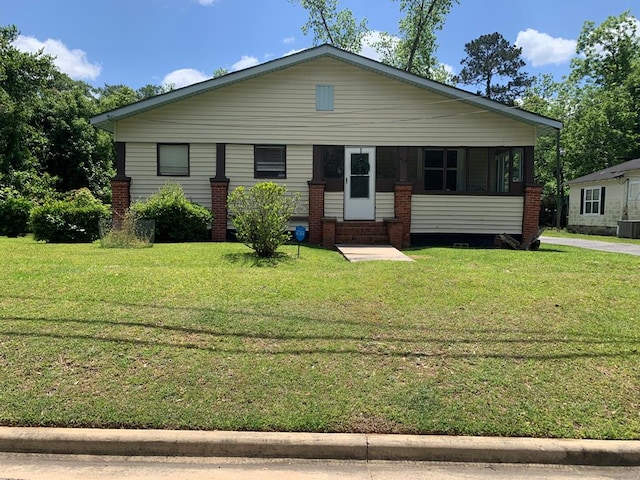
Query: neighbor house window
{"type": "Point", "coordinates": [173, 159]}
{"type": "Point", "coordinates": [592, 201]}
{"type": "Point", "coordinates": [270, 161]}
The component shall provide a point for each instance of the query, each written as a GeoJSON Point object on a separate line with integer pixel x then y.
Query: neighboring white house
{"type": "Point", "coordinates": [380, 155]}
{"type": "Point", "coordinates": [607, 202]}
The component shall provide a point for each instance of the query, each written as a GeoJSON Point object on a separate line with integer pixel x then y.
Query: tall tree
{"type": "Point", "coordinates": [337, 28]}
{"type": "Point", "coordinates": [45, 134]}
{"type": "Point", "coordinates": [414, 48]}
{"type": "Point", "coordinates": [607, 52]}
{"type": "Point", "coordinates": [493, 63]}
{"type": "Point", "coordinates": [22, 77]}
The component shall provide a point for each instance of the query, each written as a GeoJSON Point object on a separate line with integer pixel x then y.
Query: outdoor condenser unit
{"type": "Point", "coordinates": [628, 229]}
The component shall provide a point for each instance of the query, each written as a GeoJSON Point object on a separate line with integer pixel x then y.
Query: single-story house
{"type": "Point", "coordinates": [607, 202]}
{"type": "Point", "coordinates": [379, 155]}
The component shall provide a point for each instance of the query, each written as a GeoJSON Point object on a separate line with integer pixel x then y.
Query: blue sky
{"type": "Point", "coordinates": [137, 42]}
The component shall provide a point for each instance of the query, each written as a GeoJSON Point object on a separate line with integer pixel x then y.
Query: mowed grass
{"type": "Point", "coordinates": [204, 336]}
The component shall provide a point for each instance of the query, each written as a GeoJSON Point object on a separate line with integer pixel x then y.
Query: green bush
{"type": "Point", "coordinates": [14, 213]}
{"type": "Point", "coordinates": [176, 218]}
{"type": "Point", "coordinates": [261, 216]}
{"type": "Point", "coordinates": [73, 219]}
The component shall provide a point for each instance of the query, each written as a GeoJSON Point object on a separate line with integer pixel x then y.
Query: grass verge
{"type": "Point", "coordinates": [206, 336]}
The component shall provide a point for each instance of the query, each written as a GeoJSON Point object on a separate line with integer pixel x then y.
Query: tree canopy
{"type": "Point", "coordinates": [335, 27]}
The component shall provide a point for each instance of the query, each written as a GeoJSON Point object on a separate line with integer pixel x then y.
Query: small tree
{"type": "Point", "coordinates": [261, 216]}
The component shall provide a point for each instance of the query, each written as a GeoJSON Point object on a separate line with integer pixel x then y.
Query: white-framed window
{"type": "Point", "coordinates": [173, 159]}
{"type": "Point", "coordinates": [270, 161]}
{"type": "Point", "coordinates": [592, 201]}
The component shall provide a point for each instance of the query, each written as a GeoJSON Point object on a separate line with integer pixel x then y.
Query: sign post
{"type": "Point", "coordinates": [300, 234]}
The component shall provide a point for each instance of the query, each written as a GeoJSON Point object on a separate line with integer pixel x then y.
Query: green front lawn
{"type": "Point", "coordinates": [204, 336]}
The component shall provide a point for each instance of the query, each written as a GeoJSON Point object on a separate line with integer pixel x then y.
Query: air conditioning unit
{"type": "Point", "coordinates": [628, 229]}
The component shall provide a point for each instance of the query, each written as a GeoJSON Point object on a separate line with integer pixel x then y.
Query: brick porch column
{"type": "Point", "coordinates": [531, 214]}
{"type": "Point", "coordinates": [120, 199]}
{"type": "Point", "coordinates": [219, 193]}
{"type": "Point", "coordinates": [329, 232]}
{"type": "Point", "coordinates": [402, 209]}
{"type": "Point", "coordinates": [316, 211]}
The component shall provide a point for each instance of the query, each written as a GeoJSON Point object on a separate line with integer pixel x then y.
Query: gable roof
{"type": "Point", "coordinates": [608, 173]}
{"type": "Point", "coordinates": [107, 120]}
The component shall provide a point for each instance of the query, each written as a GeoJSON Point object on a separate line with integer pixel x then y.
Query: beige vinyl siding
{"type": "Point", "coordinates": [141, 166]}
{"type": "Point", "coordinates": [385, 205]}
{"type": "Point", "coordinates": [280, 108]}
{"type": "Point", "coordinates": [466, 214]}
{"type": "Point", "coordinates": [334, 205]}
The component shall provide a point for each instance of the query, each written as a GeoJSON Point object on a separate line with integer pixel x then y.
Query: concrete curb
{"type": "Point", "coordinates": [82, 441]}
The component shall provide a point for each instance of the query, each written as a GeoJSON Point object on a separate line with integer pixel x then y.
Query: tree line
{"type": "Point", "coordinates": [48, 145]}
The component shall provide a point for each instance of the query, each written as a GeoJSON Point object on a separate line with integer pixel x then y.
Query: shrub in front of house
{"type": "Point", "coordinates": [176, 218]}
{"type": "Point", "coordinates": [261, 216]}
{"type": "Point", "coordinates": [74, 219]}
{"type": "Point", "coordinates": [14, 213]}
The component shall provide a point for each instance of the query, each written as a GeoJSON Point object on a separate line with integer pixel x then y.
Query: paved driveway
{"type": "Point", "coordinates": [628, 248]}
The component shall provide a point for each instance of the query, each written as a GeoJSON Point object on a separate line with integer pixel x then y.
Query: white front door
{"type": "Point", "coordinates": [360, 183]}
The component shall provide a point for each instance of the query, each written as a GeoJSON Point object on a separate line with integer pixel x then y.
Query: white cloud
{"type": "Point", "coordinates": [183, 77]}
{"type": "Point", "coordinates": [543, 49]}
{"type": "Point", "coordinates": [367, 49]}
{"type": "Point", "coordinates": [72, 62]}
{"type": "Point", "coordinates": [288, 40]}
{"type": "Point", "coordinates": [206, 3]}
{"type": "Point", "coordinates": [245, 62]}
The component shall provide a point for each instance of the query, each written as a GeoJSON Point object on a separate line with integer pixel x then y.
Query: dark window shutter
{"type": "Point", "coordinates": [602, 201]}
{"type": "Point", "coordinates": [581, 201]}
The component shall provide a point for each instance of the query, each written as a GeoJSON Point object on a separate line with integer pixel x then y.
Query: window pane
{"type": "Point", "coordinates": [595, 208]}
{"type": "Point", "coordinates": [333, 161]}
{"type": "Point", "coordinates": [386, 162]}
{"type": "Point", "coordinates": [452, 180]}
{"type": "Point", "coordinates": [360, 187]}
{"type": "Point", "coordinates": [516, 165]}
{"type": "Point", "coordinates": [173, 160]}
{"type": "Point", "coordinates": [433, 180]}
{"type": "Point", "coordinates": [596, 194]}
{"type": "Point", "coordinates": [587, 195]}
{"type": "Point", "coordinates": [587, 207]}
{"type": "Point", "coordinates": [452, 159]}
{"type": "Point", "coordinates": [434, 159]}
{"type": "Point", "coordinates": [502, 171]}
{"type": "Point", "coordinates": [270, 161]}
{"type": "Point", "coordinates": [360, 164]}
{"type": "Point", "coordinates": [412, 164]}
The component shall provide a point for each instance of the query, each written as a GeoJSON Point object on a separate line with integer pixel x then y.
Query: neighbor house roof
{"type": "Point", "coordinates": [107, 120]}
{"type": "Point", "coordinates": [608, 173]}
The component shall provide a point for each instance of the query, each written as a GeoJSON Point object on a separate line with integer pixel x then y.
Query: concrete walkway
{"type": "Point", "coordinates": [335, 446]}
{"type": "Point", "coordinates": [628, 248]}
{"type": "Point", "coordinates": [363, 253]}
